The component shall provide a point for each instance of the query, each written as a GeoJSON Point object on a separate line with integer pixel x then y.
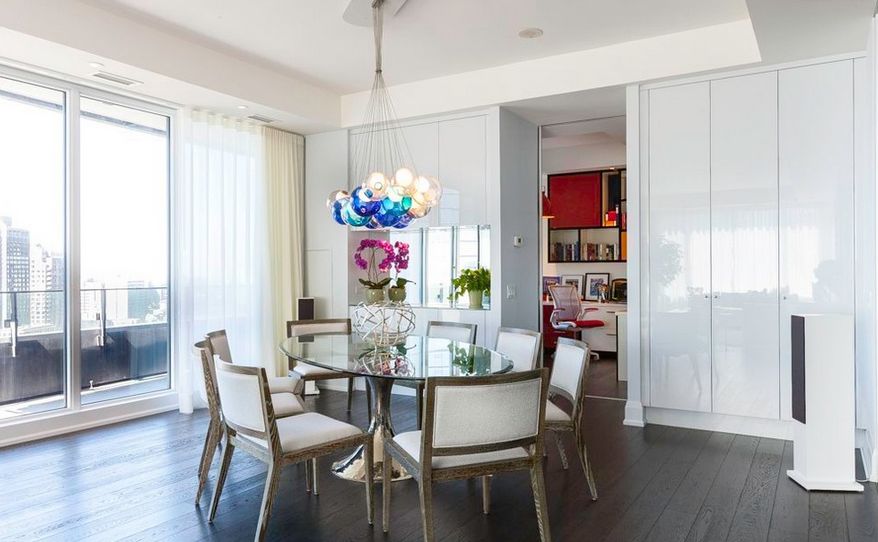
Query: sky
{"type": "Point", "coordinates": [123, 192]}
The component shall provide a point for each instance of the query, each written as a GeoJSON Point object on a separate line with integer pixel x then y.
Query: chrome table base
{"type": "Point", "coordinates": [353, 467]}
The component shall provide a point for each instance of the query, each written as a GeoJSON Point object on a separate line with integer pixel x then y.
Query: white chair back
{"type": "Point", "coordinates": [485, 411]}
{"type": "Point", "coordinates": [298, 328]}
{"type": "Point", "coordinates": [569, 366]}
{"type": "Point", "coordinates": [242, 397]}
{"type": "Point", "coordinates": [522, 346]}
{"type": "Point", "coordinates": [453, 331]}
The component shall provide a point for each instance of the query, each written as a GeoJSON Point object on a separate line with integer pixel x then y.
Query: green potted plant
{"type": "Point", "coordinates": [474, 283]}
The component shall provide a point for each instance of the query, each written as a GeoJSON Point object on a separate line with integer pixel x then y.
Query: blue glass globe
{"type": "Point", "coordinates": [404, 221]}
{"type": "Point", "coordinates": [386, 218]}
{"type": "Point", "coordinates": [362, 202]}
{"type": "Point", "coordinates": [398, 208]}
{"type": "Point", "coordinates": [351, 217]}
{"type": "Point", "coordinates": [337, 207]}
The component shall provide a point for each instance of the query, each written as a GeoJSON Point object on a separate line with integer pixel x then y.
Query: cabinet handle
{"type": "Point", "coordinates": [706, 296]}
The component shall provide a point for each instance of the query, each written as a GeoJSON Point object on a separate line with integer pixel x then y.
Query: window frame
{"type": "Point", "coordinates": [75, 415]}
{"type": "Point", "coordinates": [454, 271]}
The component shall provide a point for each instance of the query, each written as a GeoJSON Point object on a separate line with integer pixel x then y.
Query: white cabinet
{"type": "Point", "coordinates": [602, 339]}
{"type": "Point", "coordinates": [743, 238]}
{"type": "Point", "coordinates": [462, 171]}
{"type": "Point", "coordinates": [816, 126]}
{"type": "Point", "coordinates": [679, 245]}
{"type": "Point", "coordinates": [750, 183]}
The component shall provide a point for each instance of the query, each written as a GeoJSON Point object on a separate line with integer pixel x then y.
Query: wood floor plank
{"type": "Point", "coordinates": [753, 516]}
{"type": "Point", "coordinates": [715, 516]}
{"type": "Point", "coordinates": [789, 519]}
{"type": "Point", "coordinates": [827, 520]}
{"type": "Point", "coordinates": [637, 522]}
{"type": "Point", "coordinates": [862, 514]}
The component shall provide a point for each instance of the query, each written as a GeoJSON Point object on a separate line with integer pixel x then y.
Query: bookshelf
{"type": "Point", "coordinates": [590, 217]}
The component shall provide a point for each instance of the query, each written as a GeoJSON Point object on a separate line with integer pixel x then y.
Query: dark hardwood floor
{"type": "Point", "coordinates": [136, 481]}
{"type": "Point", "coordinates": [602, 379]}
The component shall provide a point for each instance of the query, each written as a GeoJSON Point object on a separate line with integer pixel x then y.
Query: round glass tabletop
{"type": "Point", "coordinates": [415, 359]}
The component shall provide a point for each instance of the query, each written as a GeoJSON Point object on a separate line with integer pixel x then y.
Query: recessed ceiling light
{"type": "Point", "coordinates": [530, 33]}
{"type": "Point", "coordinates": [242, 107]}
{"type": "Point", "coordinates": [96, 65]}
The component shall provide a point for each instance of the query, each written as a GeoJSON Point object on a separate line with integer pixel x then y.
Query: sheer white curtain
{"type": "Point", "coordinates": [284, 160]}
{"type": "Point", "coordinates": [221, 246]}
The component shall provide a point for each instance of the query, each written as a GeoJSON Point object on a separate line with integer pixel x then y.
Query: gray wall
{"type": "Point", "coordinates": [519, 193]}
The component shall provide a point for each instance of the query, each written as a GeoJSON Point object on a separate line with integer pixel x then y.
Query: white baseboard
{"type": "Point", "coordinates": [634, 414]}
{"type": "Point", "coordinates": [360, 385]}
{"type": "Point", "coordinates": [63, 422]}
{"type": "Point", "coordinates": [723, 423]}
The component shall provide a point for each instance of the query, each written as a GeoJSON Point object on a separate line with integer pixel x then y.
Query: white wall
{"type": "Point", "coordinates": [519, 193]}
{"type": "Point", "coordinates": [326, 244]}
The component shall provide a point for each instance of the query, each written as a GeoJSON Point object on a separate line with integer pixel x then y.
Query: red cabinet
{"type": "Point", "coordinates": [576, 200]}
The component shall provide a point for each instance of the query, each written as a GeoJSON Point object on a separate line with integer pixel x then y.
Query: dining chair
{"type": "Point", "coordinates": [569, 314]}
{"type": "Point", "coordinates": [219, 344]}
{"type": "Point", "coordinates": [250, 424]}
{"type": "Point", "coordinates": [569, 376]}
{"type": "Point", "coordinates": [475, 427]}
{"type": "Point", "coordinates": [286, 404]}
{"type": "Point", "coordinates": [308, 372]}
{"type": "Point", "coordinates": [453, 331]}
{"type": "Point", "coordinates": [522, 346]}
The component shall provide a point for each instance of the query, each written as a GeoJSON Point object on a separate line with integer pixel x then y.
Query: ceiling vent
{"type": "Point", "coordinates": [116, 79]}
{"type": "Point", "coordinates": [260, 118]}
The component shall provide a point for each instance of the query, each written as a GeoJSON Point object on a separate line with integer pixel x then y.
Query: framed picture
{"type": "Point", "coordinates": [593, 282]}
{"type": "Point", "coordinates": [550, 280]}
{"type": "Point", "coordinates": [575, 280]}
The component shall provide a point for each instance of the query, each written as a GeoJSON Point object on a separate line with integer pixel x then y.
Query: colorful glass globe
{"type": "Point", "coordinates": [386, 219]}
{"type": "Point", "coordinates": [351, 218]}
{"type": "Point", "coordinates": [397, 208]}
{"type": "Point", "coordinates": [334, 196]}
{"type": "Point", "coordinates": [404, 221]}
{"type": "Point", "coordinates": [363, 204]}
{"type": "Point", "coordinates": [377, 183]}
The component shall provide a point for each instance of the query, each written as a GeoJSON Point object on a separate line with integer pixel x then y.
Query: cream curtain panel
{"type": "Point", "coordinates": [237, 242]}
{"type": "Point", "coordinates": [284, 160]}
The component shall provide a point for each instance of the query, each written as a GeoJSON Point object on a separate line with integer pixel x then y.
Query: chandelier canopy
{"type": "Point", "coordinates": [392, 194]}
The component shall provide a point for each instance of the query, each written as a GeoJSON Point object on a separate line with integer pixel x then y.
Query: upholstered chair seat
{"type": "Point", "coordinates": [411, 443]}
{"type": "Point", "coordinates": [284, 384]}
{"type": "Point", "coordinates": [306, 370]}
{"type": "Point", "coordinates": [554, 413]}
{"type": "Point", "coordinates": [287, 404]}
{"type": "Point", "coordinates": [310, 429]}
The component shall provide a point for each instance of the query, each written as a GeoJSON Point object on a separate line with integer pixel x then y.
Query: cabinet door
{"type": "Point", "coordinates": [462, 171]}
{"type": "Point", "coordinates": [743, 181]}
{"type": "Point", "coordinates": [679, 243]}
{"type": "Point", "coordinates": [816, 126]}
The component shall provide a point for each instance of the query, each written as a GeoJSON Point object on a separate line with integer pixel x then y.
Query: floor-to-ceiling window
{"type": "Point", "coordinates": [84, 207]}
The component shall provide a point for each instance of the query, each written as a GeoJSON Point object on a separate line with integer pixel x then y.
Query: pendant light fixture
{"type": "Point", "coordinates": [392, 194]}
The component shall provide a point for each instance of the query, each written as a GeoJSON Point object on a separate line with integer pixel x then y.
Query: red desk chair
{"type": "Point", "coordinates": [570, 314]}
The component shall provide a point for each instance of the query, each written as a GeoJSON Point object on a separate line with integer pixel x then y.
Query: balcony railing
{"type": "Point", "coordinates": [124, 337]}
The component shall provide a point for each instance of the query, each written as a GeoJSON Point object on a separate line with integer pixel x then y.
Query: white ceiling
{"type": "Point", "coordinates": [426, 39]}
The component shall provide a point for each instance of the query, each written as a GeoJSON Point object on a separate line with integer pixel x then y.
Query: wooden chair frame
{"type": "Point", "coordinates": [536, 362]}
{"type": "Point", "coordinates": [423, 472]}
{"type": "Point", "coordinates": [314, 378]}
{"type": "Point", "coordinates": [574, 425]}
{"type": "Point", "coordinates": [419, 386]}
{"type": "Point", "coordinates": [215, 426]}
{"type": "Point", "coordinates": [273, 455]}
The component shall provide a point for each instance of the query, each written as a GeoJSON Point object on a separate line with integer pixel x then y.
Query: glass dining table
{"type": "Point", "coordinates": [413, 360]}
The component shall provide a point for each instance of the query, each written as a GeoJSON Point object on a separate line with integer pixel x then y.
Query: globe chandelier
{"type": "Point", "coordinates": [392, 194]}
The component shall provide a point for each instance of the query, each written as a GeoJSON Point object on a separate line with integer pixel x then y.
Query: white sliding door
{"type": "Point", "coordinates": [744, 218]}
{"type": "Point", "coordinates": [679, 240]}
{"type": "Point", "coordinates": [816, 197]}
